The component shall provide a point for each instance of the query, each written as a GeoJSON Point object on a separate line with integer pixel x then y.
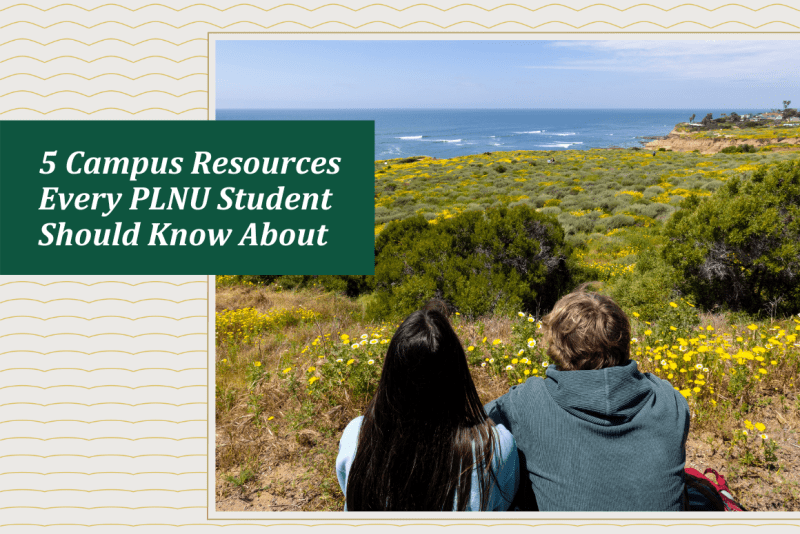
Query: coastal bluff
{"type": "Point", "coordinates": [680, 140]}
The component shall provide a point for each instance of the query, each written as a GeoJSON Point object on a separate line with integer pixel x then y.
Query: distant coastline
{"type": "Point", "coordinates": [448, 133]}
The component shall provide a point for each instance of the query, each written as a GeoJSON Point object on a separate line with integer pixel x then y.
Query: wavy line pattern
{"type": "Point", "coordinates": [101, 455]}
{"type": "Point", "coordinates": [101, 92]}
{"type": "Point", "coordinates": [90, 78]}
{"type": "Point", "coordinates": [102, 421]}
{"type": "Point", "coordinates": [103, 334]}
{"type": "Point", "coordinates": [162, 22]}
{"type": "Point", "coordinates": [101, 110]}
{"type": "Point", "coordinates": [128, 43]}
{"type": "Point", "coordinates": [101, 58]}
{"type": "Point", "coordinates": [101, 352]}
{"type": "Point", "coordinates": [103, 386]}
{"type": "Point", "coordinates": [101, 473]}
{"type": "Point", "coordinates": [99, 508]}
{"type": "Point", "coordinates": [102, 317]}
{"type": "Point", "coordinates": [153, 64]}
{"type": "Point", "coordinates": [75, 428]}
{"type": "Point", "coordinates": [404, 26]}
{"type": "Point", "coordinates": [97, 490]}
{"type": "Point", "coordinates": [102, 369]}
{"type": "Point", "coordinates": [101, 300]}
{"type": "Point", "coordinates": [84, 284]}
{"type": "Point", "coordinates": [105, 437]}
{"type": "Point", "coordinates": [102, 404]}
{"type": "Point", "coordinates": [400, 10]}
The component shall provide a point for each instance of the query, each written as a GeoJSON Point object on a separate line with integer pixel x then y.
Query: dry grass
{"type": "Point", "coordinates": [276, 443]}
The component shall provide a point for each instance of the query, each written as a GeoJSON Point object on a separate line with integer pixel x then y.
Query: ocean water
{"type": "Point", "coordinates": [447, 133]}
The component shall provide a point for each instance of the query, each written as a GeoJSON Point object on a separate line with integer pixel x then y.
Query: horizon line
{"type": "Point", "coordinates": [482, 109]}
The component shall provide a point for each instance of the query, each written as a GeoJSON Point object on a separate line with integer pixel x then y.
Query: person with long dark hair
{"type": "Point", "coordinates": [425, 442]}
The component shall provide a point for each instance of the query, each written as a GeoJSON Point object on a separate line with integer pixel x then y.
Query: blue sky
{"type": "Point", "coordinates": [506, 74]}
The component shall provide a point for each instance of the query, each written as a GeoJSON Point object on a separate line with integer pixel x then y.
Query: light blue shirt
{"type": "Point", "coordinates": [505, 466]}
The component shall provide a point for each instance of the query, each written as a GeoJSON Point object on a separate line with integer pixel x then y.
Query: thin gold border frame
{"type": "Point", "coordinates": [540, 519]}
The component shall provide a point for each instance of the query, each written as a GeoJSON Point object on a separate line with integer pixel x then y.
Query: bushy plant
{"type": "Point", "coordinates": [618, 221]}
{"type": "Point", "coordinates": [740, 247]}
{"type": "Point", "coordinates": [739, 149]}
{"type": "Point", "coordinates": [350, 285]}
{"type": "Point", "coordinates": [479, 263]}
{"type": "Point", "coordinates": [551, 210]}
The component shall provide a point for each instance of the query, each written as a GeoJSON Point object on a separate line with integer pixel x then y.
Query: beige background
{"type": "Point", "coordinates": [104, 380]}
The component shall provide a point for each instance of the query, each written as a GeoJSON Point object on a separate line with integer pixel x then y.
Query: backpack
{"type": "Point", "coordinates": [702, 495]}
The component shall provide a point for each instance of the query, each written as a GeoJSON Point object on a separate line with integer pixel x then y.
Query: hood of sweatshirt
{"type": "Point", "coordinates": [606, 397]}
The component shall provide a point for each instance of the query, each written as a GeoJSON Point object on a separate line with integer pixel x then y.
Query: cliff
{"type": "Point", "coordinates": [683, 142]}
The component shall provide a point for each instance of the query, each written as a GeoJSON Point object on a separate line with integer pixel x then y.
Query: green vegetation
{"type": "Point", "coordinates": [595, 183]}
{"type": "Point", "coordinates": [702, 251]}
{"type": "Point", "coordinates": [480, 263]}
{"type": "Point", "coordinates": [740, 248]}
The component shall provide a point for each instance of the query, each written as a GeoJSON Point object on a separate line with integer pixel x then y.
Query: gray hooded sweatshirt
{"type": "Point", "coordinates": [612, 439]}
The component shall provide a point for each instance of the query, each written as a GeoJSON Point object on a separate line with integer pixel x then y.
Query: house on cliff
{"type": "Point", "coordinates": [771, 115]}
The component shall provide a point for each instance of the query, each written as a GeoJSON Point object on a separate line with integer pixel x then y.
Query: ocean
{"type": "Point", "coordinates": [447, 133]}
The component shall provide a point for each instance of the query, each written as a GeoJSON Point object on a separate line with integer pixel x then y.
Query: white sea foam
{"type": "Point", "coordinates": [568, 133]}
{"type": "Point", "coordinates": [559, 145]}
{"type": "Point", "coordinates": [445, 140]}
{"type": "Point", "coordinates": [410, 137]}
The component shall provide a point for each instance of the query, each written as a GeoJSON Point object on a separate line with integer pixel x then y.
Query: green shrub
{"type": "Point", "coordinates": [647, 289]}
{"type": "Point", "coordinates": [350, 285]}
{"type": "Point", "coordinates": [653, 191]}
{"type": "Point", "coordinates": [618, 221]}
{"type": "Point", "coordinates": [480, 263]}
{"type": "Point", "coordinates": [740, 248]}
{"type": "Point", "coordinates": [738, 149]}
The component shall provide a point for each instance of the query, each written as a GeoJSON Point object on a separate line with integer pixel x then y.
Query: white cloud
{"type": "Point", "coordinates": [718, 59]}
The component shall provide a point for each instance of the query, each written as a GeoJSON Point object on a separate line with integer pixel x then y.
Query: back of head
{"type": "Point", "coordinates": [417, 435]}
{"type": "Point", "coordinates": [587, 331]}
{"type": "Point", "coordinates": [425, 373]}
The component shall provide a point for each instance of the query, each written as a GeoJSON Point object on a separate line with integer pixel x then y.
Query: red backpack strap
{"type": "Point", "coordinates": [722, 487]}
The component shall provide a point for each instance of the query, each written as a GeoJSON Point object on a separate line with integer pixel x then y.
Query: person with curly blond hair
{"type": "Point", "coordinates": [596, 434]}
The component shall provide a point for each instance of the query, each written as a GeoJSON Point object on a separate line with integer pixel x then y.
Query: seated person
{"type": "Point", "coordinates": [425, 442]}
{"type": "Point", "coordinates": [596, 433]}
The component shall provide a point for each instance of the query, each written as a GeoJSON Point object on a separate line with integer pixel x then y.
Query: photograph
{"type": "Point", "coordinates": [587, 281]}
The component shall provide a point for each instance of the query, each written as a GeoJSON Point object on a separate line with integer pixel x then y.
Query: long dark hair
{"type": "Point", "coordinates": [425, 429]}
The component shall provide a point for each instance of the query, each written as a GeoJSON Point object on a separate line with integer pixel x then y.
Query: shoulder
{"type": "Point", "coordinates": [520, 393]}
{"type": "Point", "coordinates": [347, 451]}
{"type": "Point", "coordinates": [519, 401]}
{"type": "Point", "coordinates": [350, 434]}
{"type": "Point", "coordinates": [506, 443]}
{"type": "Point", "coordinates": [667, 396]}
{"type": "Point", "coordinates": [665, 388]}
